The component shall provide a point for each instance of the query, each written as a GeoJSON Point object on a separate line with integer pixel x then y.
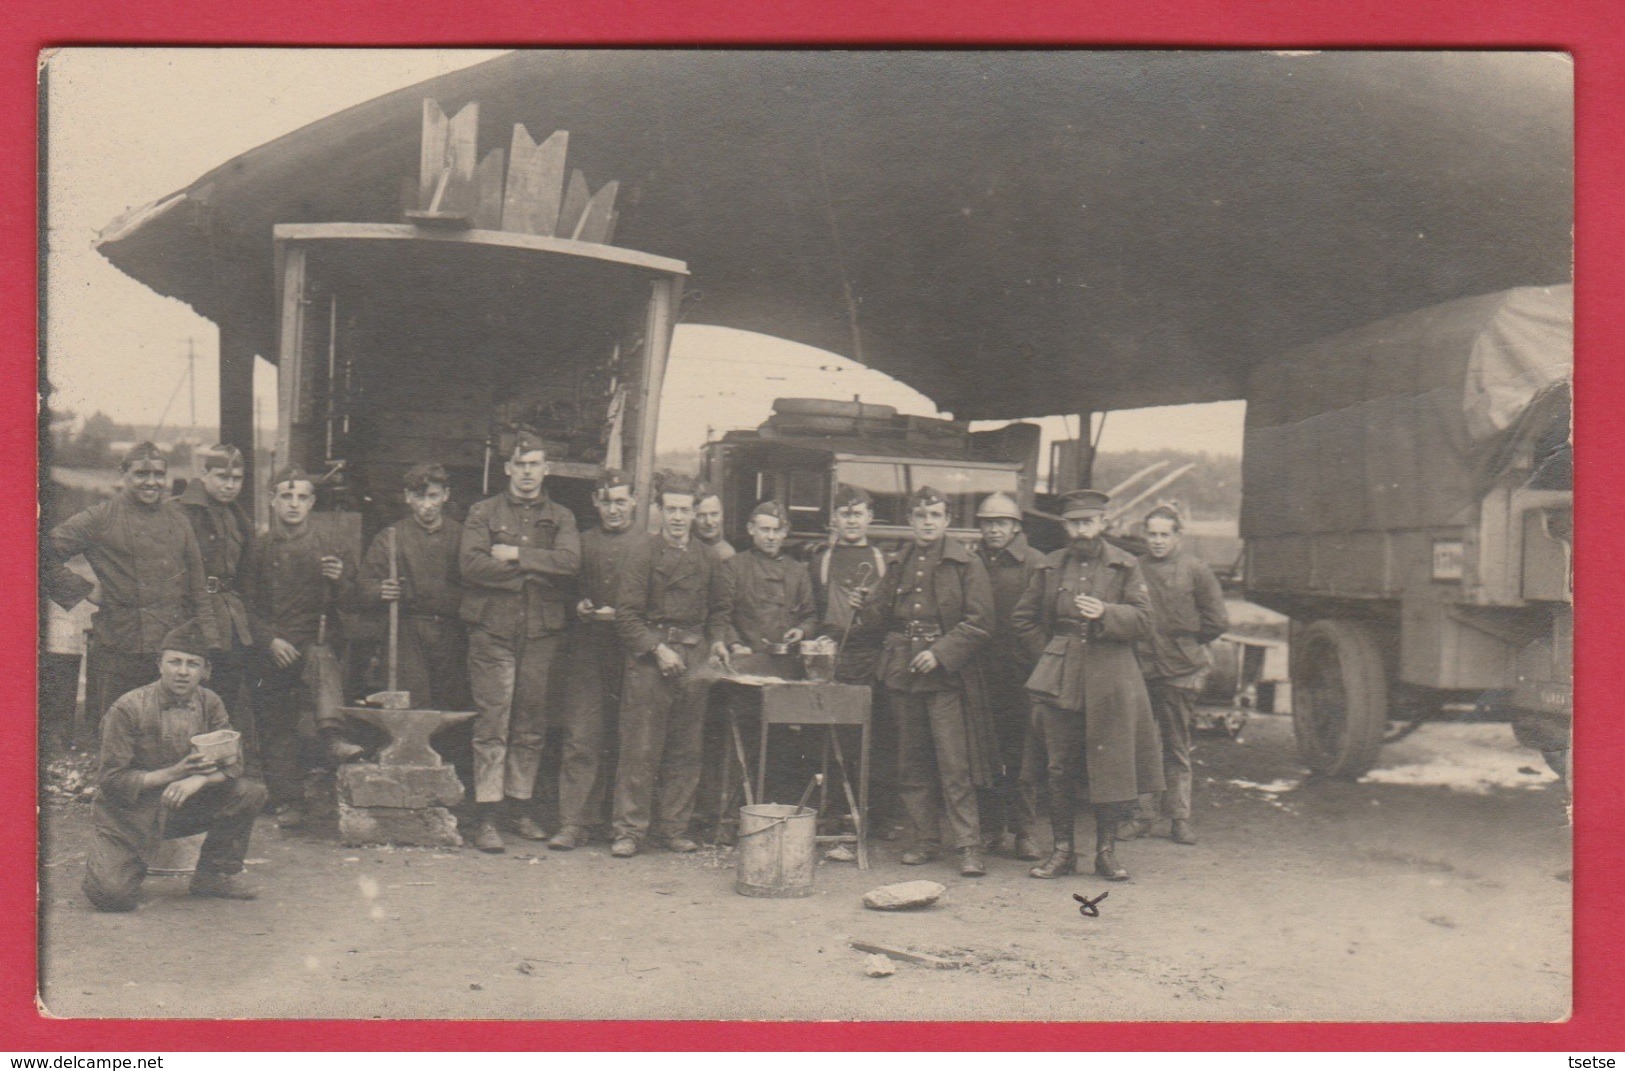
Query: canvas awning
{"type": "Point", "coordinates": [1012, 233]}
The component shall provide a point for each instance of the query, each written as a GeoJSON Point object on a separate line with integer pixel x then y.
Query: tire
{"type": "Point", "coordinates": [1339, 698]}
{"type": "Point", "coordinates": [829, 407]}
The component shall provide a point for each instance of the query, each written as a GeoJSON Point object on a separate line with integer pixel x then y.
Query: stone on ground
{"type": "Point", "coordinates": [903, 895]}
{"type": "Point", "coordinates": [878, 966]}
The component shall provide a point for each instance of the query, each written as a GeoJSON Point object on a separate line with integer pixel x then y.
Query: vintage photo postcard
{"type": "Point", "coordinates": [806, 535]}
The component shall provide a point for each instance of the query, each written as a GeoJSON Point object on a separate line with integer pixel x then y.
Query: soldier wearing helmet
{"type": "Point", "coordinates": [1009, 806]}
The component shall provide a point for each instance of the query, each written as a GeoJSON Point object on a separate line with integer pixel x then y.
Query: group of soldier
{"type": "Point", "coordinates": [1001, 675]}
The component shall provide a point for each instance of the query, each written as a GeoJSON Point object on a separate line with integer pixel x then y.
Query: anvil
{"type": "Point", "coordinates": [409, 732]}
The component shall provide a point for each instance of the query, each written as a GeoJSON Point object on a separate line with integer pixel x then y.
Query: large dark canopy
{"type": "Point", "coordinates": [1012, 233]}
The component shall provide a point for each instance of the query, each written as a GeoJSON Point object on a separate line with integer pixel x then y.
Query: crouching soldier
{"type": "Point", "coordinates": [1081, 614]}
{"type": "Point", "coordinates": [671, 611]}
{"type": "Point", "coordinates": [152, 784]}
{"type": "Point", "coordinates": [935, 611]}
{"type": "Point", "coordinates": [298, 576]}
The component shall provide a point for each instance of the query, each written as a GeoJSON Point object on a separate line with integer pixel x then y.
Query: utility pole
{"type": "Point", "coordinates": [191, 378]}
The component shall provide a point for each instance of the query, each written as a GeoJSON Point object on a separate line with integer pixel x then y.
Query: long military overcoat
{"type": "Point", "coordinates": [1098, 675]}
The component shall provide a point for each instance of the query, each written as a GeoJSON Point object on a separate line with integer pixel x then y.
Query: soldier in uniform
{"type": "Point", "coordinates": [597, 661]}
{"type": "Point", "coordinates": [708, 525]}
{"type": "Point", "coordinates": [770, 592]}
{"type": "Point", "coordinates": [1081, 615]}
{"type": "Point", "coordinates": [1187, 614]}
{"type": "Point", "coordinates": [149, 577]}
{"type": "Point", "coordinates": [152, 785]}
{"type": "Point", "coordinates": [225, 533]}
{"type": "Point", "coordinates": [671, 610]}
{"type": "Point", "coordinates": [433, 647]}
{"type": "Point", "coordinates": [844, 571]}
{"type": "Point", "coordinates": [1011, 804]}
{"type": "Point", "coordinates": [935, 612]}
{"type": "Point", "coordinates": [520, 557]}
{"type": "Point", "coordinates": [296, 577]}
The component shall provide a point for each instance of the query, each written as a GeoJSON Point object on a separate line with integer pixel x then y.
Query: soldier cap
{"type": "Point", "coordinates": [926, 496]}
{"type": "Point", "coordinates": [142, 451]}
{"type": "Point", "coordinates": [610, 479]}
{"type": "Point", "coordinates": [187, 638]}
{"type": "Point", "coordinates": [772, 509]}
{"type": "Point", "coordinates": [998, 506]}
{"type": "Point", "coordinates": [420, 476]}
{"type": "Point", "coordinates": [847, 495]}
{"type": "Point", "coordinates": [220, 456]}
{"type": "Point", "coordinates": [290, 474]}
{"type": "Point", "coordinates": [1076, 505]}
{"type": "Point", "coordinates": [526, 442]}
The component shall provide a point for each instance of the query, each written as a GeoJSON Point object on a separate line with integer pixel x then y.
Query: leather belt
{"type": "Point", "coordinates": [217, 585]}
{"type": "Point", "coordinates": [919, 631]}
{"type": "Point", "coordinates": [676, 634]}
{"type": "Point", "coordinates": [1076, 629]}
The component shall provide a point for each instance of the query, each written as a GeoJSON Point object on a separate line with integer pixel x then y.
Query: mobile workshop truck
{"type": "Point", "coordinates": [1408, 503]}
{"type": "Point", "coordinates": [810, 445]}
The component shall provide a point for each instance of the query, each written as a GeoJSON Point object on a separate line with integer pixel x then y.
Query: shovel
{"type": "Point", "coordinates": [393, 698]}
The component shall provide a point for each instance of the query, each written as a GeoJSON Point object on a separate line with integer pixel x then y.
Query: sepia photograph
{"type": "Point", "coordinates": [1024, 535]}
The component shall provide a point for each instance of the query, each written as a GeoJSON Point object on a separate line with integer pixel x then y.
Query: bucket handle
{"type": "Point", "coordinates": [771, 823]}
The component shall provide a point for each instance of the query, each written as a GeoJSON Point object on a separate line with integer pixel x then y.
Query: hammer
{"type": "Point", "coordinates": [393, 698]}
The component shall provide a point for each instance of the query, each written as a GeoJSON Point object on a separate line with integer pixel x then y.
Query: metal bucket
{"type": "Point", "coordinates": [177, 857]}
{"type": "Point", "coordinates": [776, 850]}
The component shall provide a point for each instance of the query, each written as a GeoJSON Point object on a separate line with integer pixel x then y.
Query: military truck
{"type": "Point", "coordinates": [1407, 502]}
{"type": "Point", "coordinates": [810, 445]}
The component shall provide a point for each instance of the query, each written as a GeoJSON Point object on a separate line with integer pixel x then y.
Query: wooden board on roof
{"type": "Point", "coordinates": [575, 203]}
{"type": "Point", "coordinates": [594, 225]}
{"type": "Point", "coordinates": [530, 204]}
{"type": "Point", "coordinates": [488, 191]}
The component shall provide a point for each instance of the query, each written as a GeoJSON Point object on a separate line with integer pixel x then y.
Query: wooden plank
{"type": "Point", "coordinates": [488, 187]}
{"type": "Point", "coordinates": [290, 350]}
{"type": "Point", "coordinates": [535, 182]}
{"type": "Point", "coordinates": [432, 153]}
{"type": "Point", "coordinates": [575, 203]}
{"type": "Point", "coordinates": [609, 230]}
{"type": "Point", "coordinates": [908, 955]}
{"type": "Point", "coordinates": [405, 232]}
{"type": "Point", "coordinates": [462, 158]}
{"type": "Point", "coordinates": [594, 223]}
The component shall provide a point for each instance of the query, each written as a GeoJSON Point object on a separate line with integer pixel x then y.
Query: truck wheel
{"type": "Point", "coordinates": [1339, 698]}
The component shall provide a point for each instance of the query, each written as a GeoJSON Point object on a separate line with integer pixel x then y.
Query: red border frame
{"type": "Point", "coordinates": [1593, 30]}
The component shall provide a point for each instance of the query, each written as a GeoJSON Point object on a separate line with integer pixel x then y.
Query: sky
{"type": "Point", "coordinates": [129, 126]}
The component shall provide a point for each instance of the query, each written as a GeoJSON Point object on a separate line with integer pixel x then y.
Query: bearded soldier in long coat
{"type": "Point", "coordinates": [1082, 613]}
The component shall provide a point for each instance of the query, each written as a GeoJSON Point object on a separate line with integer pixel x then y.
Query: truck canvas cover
{"type": "Point", "coordinates": [1390, 426]}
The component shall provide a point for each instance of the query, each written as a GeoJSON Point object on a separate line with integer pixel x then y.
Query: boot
{"type": "Point", "coordinates": [1063, 860]}
{"type": "Point", "coordinates": [485, 836]}
{"type": "Point", "coordinates": [624, 847]}
{"type": "Point", "coordinates": [1183, 832]}
{"type": "Point", "coordinates": [970, 863]}
{"type": "Point", "coordinates": [524, 824]}
{"type": "Point", "coordinates": [339, 750]}
{"type": "Point", "coordinates": [1106, 864]}
{"type": "Point", "coordinates": [917, 856]}
{"type": "Point", "coordinates": [568, 839]}
{"type": "Point", "coordinates": [1026, 848]}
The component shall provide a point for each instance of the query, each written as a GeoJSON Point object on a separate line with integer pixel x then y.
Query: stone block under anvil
{"type": "Point", "coordinates": [404, 797]}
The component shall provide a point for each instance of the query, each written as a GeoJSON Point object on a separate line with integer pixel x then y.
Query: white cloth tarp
{"type": "Point", "coordinates": [1386, 427]}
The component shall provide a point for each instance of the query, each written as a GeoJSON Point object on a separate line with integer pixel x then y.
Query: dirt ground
{"type": "Point", "coordinates": [1439, 890]}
